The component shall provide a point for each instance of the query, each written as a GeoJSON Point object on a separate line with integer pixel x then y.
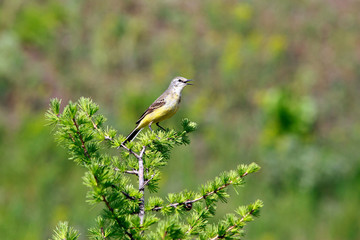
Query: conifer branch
{"type": "Point", "coordinates": [81, 139]}
{"type": "Point", "coordinates": [97, 181]}
{"type": "Point", "coordinates": [192, 226]}
{"type": "Point", "coordinates": [233, 226]}
{"type": "Point", "coordinates": [132, 152]}
{"type": "Point", "coordinates": [113, 213]}
{"type": "Point", "coordinates": [190, 202]}
{"type": "Point", "coordinates": [124, 203]}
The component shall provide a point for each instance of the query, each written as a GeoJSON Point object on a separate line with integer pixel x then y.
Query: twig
{"type": "Point", "coordinates": [232, 227]}
{"type": "Point", "coordinates": [141, 185]}
{"type": "Point", "coordinates": [108, 138]}
{"type": "Point", "coordinates": [132, 172]}
{"type": "Point", "coordinates": [81, 139]}
{"type": "Point", "coordinates": [190, 202]}
{"type": "Point", "coordinates": [117, 220]}
{"type": "Point", "coordinates": [103, 233]}
{"type": "Point", "coordinates": [191, 227]}
{"type": "Point", "coordinates": [126, 171]}
{"type": "Point", "coordinates": [148, 180]}
{"type": "Point", "coordinates": [165, 233]}
{"type": "Point", "coordinates": [132, 152]}
{"type": "Point", "coordinates": [127, 195]}
{"type": "Point", "coordinates": [72, 138]}
{"type": "Point", "coordinates": [94, 125]}
{"type": "Point", "coordinates": [123, 192]}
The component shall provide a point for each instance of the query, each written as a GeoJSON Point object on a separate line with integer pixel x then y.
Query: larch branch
{"type": "Point", "coordinates": [189, 202]}
{"type": "Point", "coordinates": [232, 227]}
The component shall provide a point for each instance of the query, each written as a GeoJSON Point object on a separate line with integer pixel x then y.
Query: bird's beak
{"type": "Point", "coordinates": [187, 82]}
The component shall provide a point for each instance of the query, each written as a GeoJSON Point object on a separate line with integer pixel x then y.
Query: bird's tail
{"type": "Point", "coordinates": [132, 135]}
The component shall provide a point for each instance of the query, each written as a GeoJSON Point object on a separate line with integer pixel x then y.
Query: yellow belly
{"type": "Point", "coordinates": [158, 115]}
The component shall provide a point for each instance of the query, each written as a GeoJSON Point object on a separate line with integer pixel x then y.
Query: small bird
{"type": "Point", "coordinates": [163, 108]}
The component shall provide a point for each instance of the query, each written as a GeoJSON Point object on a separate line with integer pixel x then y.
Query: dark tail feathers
{"type": "Point", "coordinates": [132, 135]}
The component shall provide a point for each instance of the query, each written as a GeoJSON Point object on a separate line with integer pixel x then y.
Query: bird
{"type": "Point", "coordinates": [162, 108]}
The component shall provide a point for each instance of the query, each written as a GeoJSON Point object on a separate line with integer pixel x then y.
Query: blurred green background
{"type": "Point", "coordinates": [277, 82]}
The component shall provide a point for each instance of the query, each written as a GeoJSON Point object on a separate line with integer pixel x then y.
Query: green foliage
{"type": "Point", "coordinates": [37, 24]}
{"type": "Point", "coordinates": [126, 215]}
{"type": "Point", "coordinates": [285, 115]}
{"type": "Point", "coordinates": [63, 231]}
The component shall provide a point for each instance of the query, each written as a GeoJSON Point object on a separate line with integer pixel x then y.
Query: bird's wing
{"type": "Point", "coordinates": [155, 105]}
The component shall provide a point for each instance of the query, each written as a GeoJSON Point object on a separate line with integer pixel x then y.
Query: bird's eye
{"type": "Point", "coordinates": [181, 80]}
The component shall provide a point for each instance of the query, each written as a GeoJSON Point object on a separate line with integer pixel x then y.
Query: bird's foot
{"type": "Point", "coordinates": [157, 124]}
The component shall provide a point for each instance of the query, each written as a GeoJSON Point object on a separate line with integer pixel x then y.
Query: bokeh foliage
{"type": "Point", "coordinates": [277, 82]}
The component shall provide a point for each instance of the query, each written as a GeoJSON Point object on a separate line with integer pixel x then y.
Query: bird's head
{"type": "Point", "coordinates": [180, 83]}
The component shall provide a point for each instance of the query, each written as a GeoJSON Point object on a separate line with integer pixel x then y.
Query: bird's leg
{"type": "Point", "coordinates": [157, 124]}
{"type": "Point", "coordinates": [152, 130]}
